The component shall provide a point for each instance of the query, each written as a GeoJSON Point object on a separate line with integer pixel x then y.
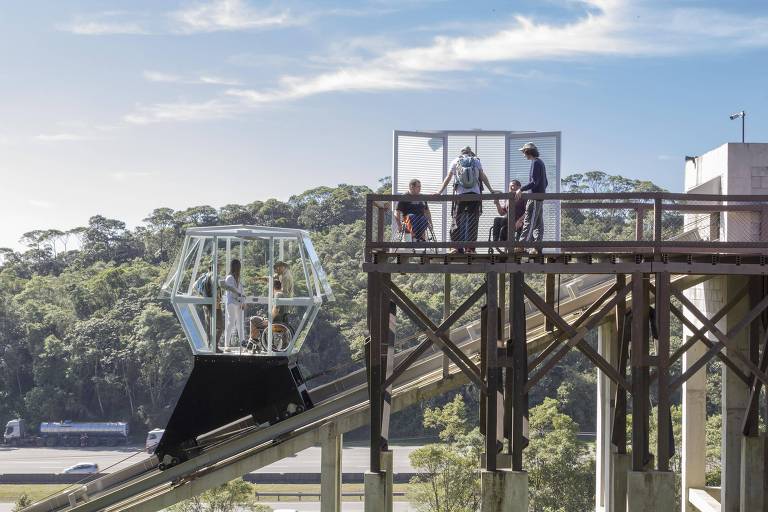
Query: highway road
{"type": "Point", "coordinates": [347, 506]}
{"type": "Point", "coordinates": [54, 460]}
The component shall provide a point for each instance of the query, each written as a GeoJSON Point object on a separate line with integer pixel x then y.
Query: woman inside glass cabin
{"type": "Point", "coordinates": [233, 299]}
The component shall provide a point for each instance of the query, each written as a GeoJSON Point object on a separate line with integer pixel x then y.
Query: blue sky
{"type": "Point", "coordinates": [117, 108]}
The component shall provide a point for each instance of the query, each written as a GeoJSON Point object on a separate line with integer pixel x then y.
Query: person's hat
{"type": "Point", "coordinates": [528, 145]}
{"type": "Point", "coordinates": [467, 150]}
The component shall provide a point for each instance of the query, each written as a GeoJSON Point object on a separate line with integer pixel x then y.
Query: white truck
{"type": "Point", "coordinates": [66, 433]}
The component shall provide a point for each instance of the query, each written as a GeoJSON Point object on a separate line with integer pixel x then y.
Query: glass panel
{"type": "Point", "coordinates": [305, 317]}
{"type": "Point", "coordinates": [192, 320]}
{"type": "Point", "coordinates": [318, 269]}
{"type": "Point", "coordinates": [290, 270]}
{"type": "Point", "coordinates": [422, 157]}
{"type": "Point", "coordinates": [187, 265]}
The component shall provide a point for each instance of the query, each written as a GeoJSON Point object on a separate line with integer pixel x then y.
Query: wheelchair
{"type": "Point", "coordinates": [498, 233]}
{"type": "Point", "coordinates": [406, 234]}
{"type": "Point", "coordinates": [282, 334]}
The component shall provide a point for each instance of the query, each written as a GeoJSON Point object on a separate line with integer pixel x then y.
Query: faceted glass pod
{"type": "Point", "coordinates": [275, 319]}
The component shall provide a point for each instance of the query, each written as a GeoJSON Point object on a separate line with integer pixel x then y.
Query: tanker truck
{"type": "Point", "coordinates": [66, 433]}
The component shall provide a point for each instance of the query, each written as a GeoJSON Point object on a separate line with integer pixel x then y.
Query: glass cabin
{"type": "Point", "coordinates": [281, 288]}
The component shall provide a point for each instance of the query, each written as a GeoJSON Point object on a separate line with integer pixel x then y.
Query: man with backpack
{"type": "Point", "coordinates": [533, 221]}
{"type": "Point", "coordinates": [468, 177]}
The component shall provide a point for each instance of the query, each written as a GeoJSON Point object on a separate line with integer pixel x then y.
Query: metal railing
{"type": "Point", "coordinates": [664, 223]}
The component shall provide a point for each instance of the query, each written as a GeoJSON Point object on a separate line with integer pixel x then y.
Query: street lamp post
{"type": "Point", "coordinates": [741, 115]}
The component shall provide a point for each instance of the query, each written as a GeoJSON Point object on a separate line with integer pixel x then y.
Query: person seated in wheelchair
{"type": "Point", "coordinates": [499, 229]}
{"type": "Point", "coordinates": [281, 328]}
{"type": "Point", "coordinates": [413, 217]}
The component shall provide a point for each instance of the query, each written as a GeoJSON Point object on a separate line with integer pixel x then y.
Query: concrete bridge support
{"type": "Point", "coordinates": [607, 346]}
{"type": "Point", "coordinates": [694, 447]}
{"type": "Point", "coordinates": [330, 470]}
{"type": "Point", "coordinates": [378, 486]}
{"type": "Point", "coordinates": [620, 466]}
{"type": "Point", "coordinates": [752, 491]}
{"type": "Point", "coordinates": [735, 395]}
{"type": "Point", "coordinates": [504, 491]}
{"type": "Point", "coordinates": [650, 491]}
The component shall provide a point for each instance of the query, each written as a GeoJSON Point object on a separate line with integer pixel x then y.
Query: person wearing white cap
{"type": "Point", "coordinates": [533, 220]}
{"type": "Point", "coordinates": [467, 174]}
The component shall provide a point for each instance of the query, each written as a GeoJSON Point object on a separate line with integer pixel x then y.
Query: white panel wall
{"type": "Point", "coordinates": [519, 169]}
{"type": "Point", "coordinates": [421, 157]}
{"type": "Point", "coordinates": [491, 151]}
{"type": "Point", "coordinates": [427, 155]}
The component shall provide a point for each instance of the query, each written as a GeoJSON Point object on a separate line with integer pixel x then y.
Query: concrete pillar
{"type": "Point", "coordinates": [375, 488]}
{"type": "Point", "coordinates": [620, 466]}
{"type": "Point", "coordinates": [752, 490]}
{"type": "Point", "coordinates": [735, 395]}
{"type": "Point", "coordinates": [387, 468]}
{"type": "Point", "coordinates": [504, 491]}
{"type": "Point", "coordinates": [330, 470]}
{"type": "Point", "coordinates": [694, 448]}
{"type": "Point", "coordinates": [650, 491]}
{"type": "Point", "coordinates": [607, 346]}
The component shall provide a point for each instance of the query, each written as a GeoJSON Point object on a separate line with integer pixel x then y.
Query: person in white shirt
{"type": "Point", "coordinates": [467, 173]}
{"type": "Point", "coordinates": [233, 299]}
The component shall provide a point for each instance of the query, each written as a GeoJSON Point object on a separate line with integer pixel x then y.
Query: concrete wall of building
{"type": "Point", "coordinates": [734, 168]}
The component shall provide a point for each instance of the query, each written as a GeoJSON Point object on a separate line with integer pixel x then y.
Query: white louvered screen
{"type": "Point", "coordinates": [519, 169]}
{"type": "Point", "coordinates": [421, 157]}
{"type": "Point", "coordinates": [427, 155]}
{"type": "Point", "coordinates": [490, 149]}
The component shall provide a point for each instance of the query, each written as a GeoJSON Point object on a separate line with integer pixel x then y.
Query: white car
{"type": "Point", "coordinates": [84, 468]}
{"type": "Point", "coordinates": [153, 438]}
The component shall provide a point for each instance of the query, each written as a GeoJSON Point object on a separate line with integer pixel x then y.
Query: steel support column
{"type": "Point", "coordinates": [380, 311]}
{"type": "Point", "coordinates": [640, 374]}
{"type": "Point", "coordinates": [493, 382]}
{"type": "Point", "coordinates": [519, 371]}
{"type": "Point", "coordinates": [664, 437]}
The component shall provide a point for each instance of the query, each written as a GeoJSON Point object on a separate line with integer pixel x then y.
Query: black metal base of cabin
{"type": "Point", "coordinates": [223, 389]}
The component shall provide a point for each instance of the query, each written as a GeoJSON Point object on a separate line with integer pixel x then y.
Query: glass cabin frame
{"type": "Point", "coordinates": [189, 305]}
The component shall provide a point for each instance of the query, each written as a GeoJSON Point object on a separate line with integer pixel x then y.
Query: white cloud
{"type": "Point", "coordinates": [217, 80]}
{"type": "Point", "coordinates": [104, 23]}
{"type": "Point", "coordinates": [607, 28]}
{"type": "Point", "coordinates": [127, 176]}
{"type": "Point", "coordinates": [64, 137]}
{"type": "Point", "coordinates": [39, 203]}
{"type": "Point", "coordinates": [158, 76]}
{"type": "Point", "coordinates": [225, 15]}
{"type": "Point", "coordinates": [182, 111]}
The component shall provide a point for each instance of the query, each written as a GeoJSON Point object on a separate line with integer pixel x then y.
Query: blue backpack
{"type": "Point", "coordinates": [466, 174]}
{"type": "Point", "coordinates": [203, 285]}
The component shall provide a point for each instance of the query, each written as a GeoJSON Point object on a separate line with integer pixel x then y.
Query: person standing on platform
{"type": "Point", "coordinates": [468, 177]}
{"type": "Point", "coordinates": [533, 220]}
{"type": "Point", "coordinates": [233, 298]}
